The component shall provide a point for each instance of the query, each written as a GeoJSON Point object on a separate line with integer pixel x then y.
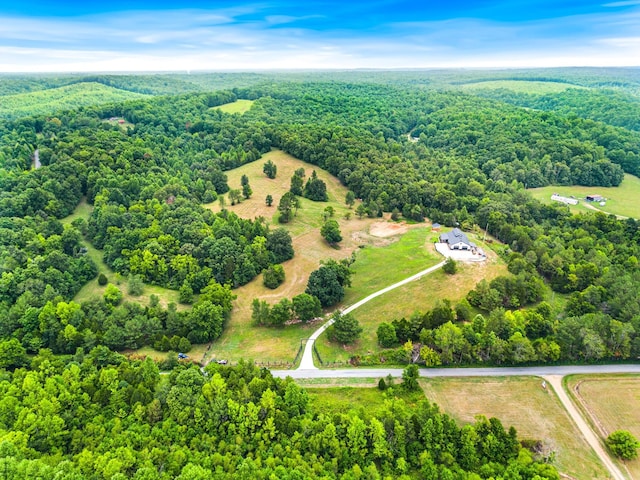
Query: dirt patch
{"type": "Point", "coordinates": [387, 229]}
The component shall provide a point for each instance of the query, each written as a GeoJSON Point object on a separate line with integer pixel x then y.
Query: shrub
{"type": "Point", "coordinates": [102, 280]}
{"type": "Point", "coordinates": [450, 266]}
{"type": "Point", "coordinates": [623, 444]}
{"type": "Point", "coordinates": [273, 276]}
{"type": "Point", "coordinates": [386, 335]}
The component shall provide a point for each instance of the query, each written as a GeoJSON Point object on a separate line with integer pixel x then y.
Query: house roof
{"type": "Point", "coordinates": [456, 236]}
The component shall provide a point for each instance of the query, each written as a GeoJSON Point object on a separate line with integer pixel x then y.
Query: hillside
{"type": "Point", "coordinates": [49, 101]}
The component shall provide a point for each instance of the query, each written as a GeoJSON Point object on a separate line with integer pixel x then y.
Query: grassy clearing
{"type": "Point", "coordinates": [621, 200]}
{"type": "Point", "coordinates": [92, 289]}
{"type": "Point", "coordinates": [410, 253]}
{"type": "Point", "coordinates": [521, 402]}
{"type": "Point", "coordinates": [166, 295]}
{"type": "Point", "coordinates": [420, 295]}
{"type": "Point", "coordinates": [521, 86]}
{"type": "Point", "coordinates": [240, 338]}
{"type": "Point", "coordinates": [82, 210]}
{"type": "Point", "coordinates": [610, 402]}
{"type": "Point", "coordinates": [119, 122]}
{"type": "Point", "coordinates": [368, 400]}
{"type": "Point", "coordinates": [239, 106]}
{"type": "Point", "coordinates": [196, 353]}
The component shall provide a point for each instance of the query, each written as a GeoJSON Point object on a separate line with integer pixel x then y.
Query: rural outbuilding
{"type": "Point", "coordinates": [594, 198]}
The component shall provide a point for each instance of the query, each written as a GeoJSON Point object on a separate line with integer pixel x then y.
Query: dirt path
{"type": "Point", "coordinates": [588, 205]}
{"type": "Point", "coordinates": [36, 159]}
{"type": "Point", "coordinates": [592, 439]}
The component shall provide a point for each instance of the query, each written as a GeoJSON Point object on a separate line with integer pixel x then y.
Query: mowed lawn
{"type": "Point", "coordinates": [239, 106]}
{"type": "Point", "coordinates": [611, 403]}
{"type": "Point", "coordinates": [267, 345]}
{"type": "Point", "coordinates": [621, 200]}
{"type": "Point", "coordinates": [535, 413]}
{"type": "Point", "coordinates": [420, 295]}
{"type": "Point", "coordinates": [522, 86]}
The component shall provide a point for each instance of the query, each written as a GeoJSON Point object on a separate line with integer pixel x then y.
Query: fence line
{"type": "Point", "coordinates": [315, 350]}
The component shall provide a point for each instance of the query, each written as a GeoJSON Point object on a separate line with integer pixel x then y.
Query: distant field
{"type": "Point", "coordinates": [521, 86]}
{"type": "Point", "coordinates": [611, 403]}
{"type": "Point", "coordinates": [45, 102]}
{"type": "Point", "coordinates": [519, 401]}
{"type": "Point", "coordinates": [420, 295]}
{"type": "Point", "coordinates": [119, 122]}
{"type": "Point", "coordinates": [239, 106]}
{"type": "Point", "coordinates": [622, 200]}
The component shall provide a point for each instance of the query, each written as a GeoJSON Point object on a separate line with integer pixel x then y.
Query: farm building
{"type": "Point", "coordinates": [457, 240]}
{"type": "Point", "coordinates": [594, 198]}
{"type": "Point", "coordinates": [435, 226]}
{"type": "Point", "coordinates": [561, 199]}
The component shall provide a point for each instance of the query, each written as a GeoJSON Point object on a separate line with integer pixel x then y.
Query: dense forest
{"type": "Point", "coordinates": [99, 416]}
{"type": "Point", "coordinates": [451, 157]}
{"type": "Point", "coordinates": [405, 143]}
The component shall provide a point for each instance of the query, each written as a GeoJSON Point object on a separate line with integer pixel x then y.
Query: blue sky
{"type": "Point", "coordinates": [117, 35]}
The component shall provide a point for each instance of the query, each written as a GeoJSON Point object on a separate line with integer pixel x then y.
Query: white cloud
{"type": "Point", "coordinates": [224, 39]}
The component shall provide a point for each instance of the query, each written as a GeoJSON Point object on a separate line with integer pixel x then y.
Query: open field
{"type": "Point", "coordinates": [609, 403]}
{"type": "Point", "coordinates": [622, 200]}
{"type": "Point", "coordinates": [241, 339]}
{"type": "Point", "coordinates": [49, 101]}
{"type": "Point", "coordinates": [239, 106]}
{"type": "Point", "coordinates": [420, 295]}
{"type": "Point", "coordinates": [522, 402]}
{"type": "Point", "coordinates": [521, 86]}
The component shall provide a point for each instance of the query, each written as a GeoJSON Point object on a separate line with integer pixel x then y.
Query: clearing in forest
{"type": "Point", "coordinates": [521, 86]}
{"type": "Point", "coordinates": [93, 289]}
{"type": "Point", "coordinates": [621, 200]}
{"type": "Point", "coordinates": [240, 338]}
{"type": "Point", "coordinates": [239, 106]}
{"type": "Point", "coordinates": [420, 295]}
{"type": "Point", "coordinates": [536, 414]}
{"type": "Point", "coordinates": [609, 403]}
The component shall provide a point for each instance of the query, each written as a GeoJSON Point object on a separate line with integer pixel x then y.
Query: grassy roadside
{"type": "Point", "coordinates": [609, 403]}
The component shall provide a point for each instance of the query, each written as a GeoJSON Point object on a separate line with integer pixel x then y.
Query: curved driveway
{"type": "Point", "coordinates": [307, 357]}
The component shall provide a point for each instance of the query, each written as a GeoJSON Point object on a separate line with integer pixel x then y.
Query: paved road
{"type": "Point", "coordinates": [307, 357]}
{"type": "Point", "coordinates": [553, 375]}
{"type": "Point", "coordinates": [460, 372]}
